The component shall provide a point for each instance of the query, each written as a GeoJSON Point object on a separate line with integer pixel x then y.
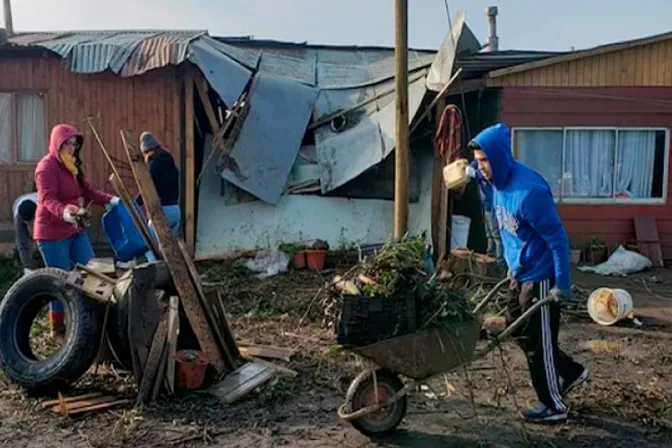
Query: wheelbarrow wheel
{"type": "Point", "coordinates": [362, 394]}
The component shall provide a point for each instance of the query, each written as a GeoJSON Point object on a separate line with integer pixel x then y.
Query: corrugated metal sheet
{"type": "Point", "coordinates": [368, 136]}
{"type": "Point", "coordinates": [271, 136]}
{"type": "Point", "coordinates": [168, 48]}
{"type": "Point", "coordinates": [460, 40]}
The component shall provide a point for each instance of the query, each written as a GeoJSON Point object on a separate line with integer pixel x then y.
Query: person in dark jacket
{"type": "Point", "coordinates": [166, 179]}
{"type": "Point", "coordinates": [489, 219]}
{"type": "Point", "coordinates": [536, 249]}
{"type": "Point", "coordinates": [23, 213]}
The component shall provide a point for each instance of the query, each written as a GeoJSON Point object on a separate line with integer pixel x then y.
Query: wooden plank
{"type": "Point", "coordinates": [50, 403]}
{"type": "Point", "coordinates": [102, 265]}
{"type": "Point", "coordinates": [190, 162]}
{"type": "Point", "coordinates": [177, 264]}
{"type": "Point", "coordinates": [152, 367]}
{"type": "Point", "coordinates": [100, 407]}
{"type": "Point", "coordinates": [220, 329]}
{"type": "Point", "coordinates": [160, 376]}
{"type": "Point", "coordinates": [173, 332]}
{"type": "Point", "coordinates": [265, 351]}
{"type": "Point", "coordinates": [284, 371]}
{"type": "Point", "coordinates": [73, 405]}
{"type": "Point", "coordinates": [245, 379]}
{"type": "Point", "coordinates": [648, 240]}
{"type": "Point", "coordinates": [202, 88]}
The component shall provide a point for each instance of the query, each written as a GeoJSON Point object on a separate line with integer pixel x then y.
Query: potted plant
{"type": "Point", "coordinates": [595, 250]}
{"type": "Point", "coordinates": [574, 255]}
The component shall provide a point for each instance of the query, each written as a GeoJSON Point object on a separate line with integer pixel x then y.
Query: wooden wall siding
{"type": "Point", "coordinates": [648, 65]}
{"type": "Point", "coordinates": [621, 107]}
{"type": "Point", "coordinates": [148, 102]}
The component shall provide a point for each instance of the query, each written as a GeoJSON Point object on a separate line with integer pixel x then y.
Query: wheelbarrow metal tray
{"type": "Point", "coordinates": [426, 353]}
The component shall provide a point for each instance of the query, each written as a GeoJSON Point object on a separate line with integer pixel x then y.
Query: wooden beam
{"type": "Point", "coordinates": [173, 331]}
{"type": "Point", "coordinates": [190, 162]}
{"type": "Point", "coordinates": [172, 254]}
{"type": "Point", "coordinates": [202, 88]}
{"type": "Point", "coordinates": [153, 366]}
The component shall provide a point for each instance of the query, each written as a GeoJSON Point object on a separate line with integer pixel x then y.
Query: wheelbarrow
{"type": "Point", "coordinates": [375, 403]}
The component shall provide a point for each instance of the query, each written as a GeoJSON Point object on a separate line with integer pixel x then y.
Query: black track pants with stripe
{"type": "Point", "coordinates": [539, 340]}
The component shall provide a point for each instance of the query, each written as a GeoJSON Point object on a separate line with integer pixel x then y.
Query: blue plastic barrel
{"type": "Point", "coordinates": [124, 237]}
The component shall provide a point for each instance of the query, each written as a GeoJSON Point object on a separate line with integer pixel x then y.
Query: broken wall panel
{"type": "Point", "coordinates": [271, 136]}
{"type": "Point", "coordinates": [225, 75]}
{"type": "Point", "coordinates": [341, 222]}
{"type": "Point", "coordinates": [367, 137]}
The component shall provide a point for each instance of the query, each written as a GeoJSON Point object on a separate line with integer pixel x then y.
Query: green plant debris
{"type": "Point", "coordinates": [402, 270]}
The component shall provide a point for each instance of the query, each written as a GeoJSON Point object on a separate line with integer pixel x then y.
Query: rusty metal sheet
{"type": "Point", "coordinates": [169, 48]}
{"type": "Point", "coordinates": [271, 136]}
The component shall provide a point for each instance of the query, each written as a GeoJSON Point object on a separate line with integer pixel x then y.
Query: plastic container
{"type": "Point", "coordinates": [300, 259]}
{"type": "Point", "coordinates": [191, 366]}
{"type": "Point", "coordinates": [607, 306]}
{"type": "Point", "coordinates": [455, 174]}
{"type": "Point", "coordinates": [459, 232]}
{"type": "Point", "coordinates": [124, 237]}
{"type": "Point", "coordinates": [315, 259]}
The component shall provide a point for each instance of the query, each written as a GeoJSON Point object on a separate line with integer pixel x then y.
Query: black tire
{"type": "Point", "coordinates": [19, 308]}
{"type": "Point", "coordinates": [117, 332]}
{"type": "Point", "coordinates": [387, 419]}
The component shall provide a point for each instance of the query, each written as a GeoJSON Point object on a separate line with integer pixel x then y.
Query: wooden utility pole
{"type": "Point", "coordinates": [401, 147]}
{"type": "Point", "coordinates": [9, 24]}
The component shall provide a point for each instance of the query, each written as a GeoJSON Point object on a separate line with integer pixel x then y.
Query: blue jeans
{"type": "Point", "coordinates": [492, 234]}
{"type": "Point", "coordinates": [64, 254]}
{"type": "Point", "coordinates": [174, 217]}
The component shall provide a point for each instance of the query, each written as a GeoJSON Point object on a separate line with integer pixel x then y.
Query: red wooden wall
{"type": "Point", "coordinates": [148, 102]}
{"type": "Point", "coordinates": [617, 106]}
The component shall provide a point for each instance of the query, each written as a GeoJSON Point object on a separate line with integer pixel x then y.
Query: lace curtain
{"type": "Point", "coordinates": [597, 164]}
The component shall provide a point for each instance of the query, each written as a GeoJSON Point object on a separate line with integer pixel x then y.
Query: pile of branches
{"type": "Point", "coordinates": [405, 269]}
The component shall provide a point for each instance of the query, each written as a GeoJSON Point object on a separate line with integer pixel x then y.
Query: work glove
{"type": "Point", "coordinates": [113, 202]}
{"type": "Point", "coordinates": [470, 171]}
{"type": "Point", "coordinates": [561, 295]}
{"type": "Point", "coordinates": [70, 215]}
{"type": "Point", "coordinates": [494, 325]}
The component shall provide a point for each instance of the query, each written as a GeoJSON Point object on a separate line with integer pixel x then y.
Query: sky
{"type": "Point", "coordinates": [555, 25]}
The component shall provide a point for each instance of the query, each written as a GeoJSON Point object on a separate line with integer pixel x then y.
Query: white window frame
{"type": "Point", "coordinates": [597, 201]}
{"type": "Point", "coordinates": [17, 164]}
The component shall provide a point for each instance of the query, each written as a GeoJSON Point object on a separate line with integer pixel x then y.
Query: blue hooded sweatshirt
{"type": "Point", "coordinates": [535, 243]}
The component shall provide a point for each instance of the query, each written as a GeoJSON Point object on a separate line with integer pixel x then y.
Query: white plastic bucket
{"type": "Point", "coordinates": [607, 306]}
{"type": "Point", "coordinates": [459, 232]}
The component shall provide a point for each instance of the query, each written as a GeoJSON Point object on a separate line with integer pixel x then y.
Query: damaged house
{"type": "Point", "coordinates": [310, 159]}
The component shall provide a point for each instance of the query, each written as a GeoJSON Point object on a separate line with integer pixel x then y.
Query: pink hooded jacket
{"type": "Point", "coordinates": [57, 187]}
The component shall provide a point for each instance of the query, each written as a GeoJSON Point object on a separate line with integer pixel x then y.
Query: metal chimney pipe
{"type": "Point", "coordinates": [493, 39]}
{"type": "Point", "coordinates": [9, 25]}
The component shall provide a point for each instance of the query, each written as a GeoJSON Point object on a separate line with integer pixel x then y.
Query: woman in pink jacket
{"type": "Point", "coordinates": [62, 193]}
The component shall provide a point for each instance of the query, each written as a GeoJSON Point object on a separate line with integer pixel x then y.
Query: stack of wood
{"type": "Point", "coordinates": [153, 357]}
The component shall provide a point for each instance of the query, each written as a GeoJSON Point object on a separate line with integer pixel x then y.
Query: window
{"type": "Point", "coordinates": [22, 127]}
{"type": "Point", "coordinates": [598, 165]}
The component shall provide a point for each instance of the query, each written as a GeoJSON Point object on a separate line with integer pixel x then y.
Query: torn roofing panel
{"type": "Point", "coordinates": [461, 41]}
{"type": "Point", "coordinates": [248, 57]}
{"type": "Point", "coordinates": [111, 51]}
{"type": "Point", "coordinates": [363, 137]}
{"type": "Point", "coordinates": [271, 136]}
{"type": "Point", "coordinates": [164, 49]}
{"type": "Point", "coordinates": [225, 75]}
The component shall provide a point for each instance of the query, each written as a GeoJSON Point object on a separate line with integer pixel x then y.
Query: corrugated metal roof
{"type": "Point", "coordinates": [477, 65]}
{"type": "Point", "coordinates": [130, 52]}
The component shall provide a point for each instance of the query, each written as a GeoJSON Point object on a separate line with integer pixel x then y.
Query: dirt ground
{"type": "Point", "coordinates": [626, 403]}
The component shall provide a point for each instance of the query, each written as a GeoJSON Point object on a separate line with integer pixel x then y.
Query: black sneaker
{"type": "Point", "coordinates": [543, 414]}
{"type": "Point", "coordinates": [566, 388]}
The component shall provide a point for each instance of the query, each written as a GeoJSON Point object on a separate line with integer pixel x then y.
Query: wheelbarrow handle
{"type": "Point", "coordinates": [514, 326]}
{"type": "Point", "coordinates": [524, 318]}
{"type": "Point", "coordinates": [489, 296]}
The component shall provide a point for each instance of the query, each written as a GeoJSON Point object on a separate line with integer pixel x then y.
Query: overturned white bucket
{"type": "Point", "coordinates": [607, 306]}
{"type": "Point", "coordinates": [459, 232]}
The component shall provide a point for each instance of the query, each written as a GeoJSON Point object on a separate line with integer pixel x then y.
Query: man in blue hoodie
{"type": "Point", "coordinates": [536, 250]}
